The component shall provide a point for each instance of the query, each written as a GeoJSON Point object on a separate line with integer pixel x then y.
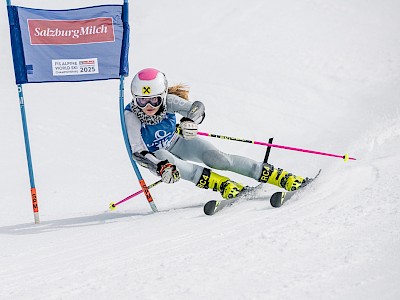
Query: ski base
{"type": "Point", "coordinates": [278, 198]}
{"type": "Point", "coordinates": [214, 206]}
{"type": "Point", "coordinates": [211, 207]}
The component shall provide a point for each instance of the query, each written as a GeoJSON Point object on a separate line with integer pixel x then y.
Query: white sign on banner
{"type": "Point", "coordinates": [63, 67]}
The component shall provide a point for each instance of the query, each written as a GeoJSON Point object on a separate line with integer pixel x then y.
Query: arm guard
{"type": "Point", "coordinates": [197, 112]}
{"type": "Point", "coordinates": [147, 160]}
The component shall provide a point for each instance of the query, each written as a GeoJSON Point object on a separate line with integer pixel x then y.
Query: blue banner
{"type": "Point", "coordinates": [82, 44]}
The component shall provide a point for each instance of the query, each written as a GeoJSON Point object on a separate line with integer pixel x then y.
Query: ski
{"type": "Point", "coordinates": [279, 198]}
{"type": "Point", "coordinates": [214, 206]}
{"type": "Point", "coordinates": [249, 193]}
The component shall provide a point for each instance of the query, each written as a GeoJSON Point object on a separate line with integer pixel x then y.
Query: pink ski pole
{"type": "Point", "coordinates": [345, 157]}
{"type": "Point", "coordinates": [113, 205]}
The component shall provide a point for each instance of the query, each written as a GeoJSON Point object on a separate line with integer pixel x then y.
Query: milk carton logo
{"type": "Point", "coordinates": [71, 32]}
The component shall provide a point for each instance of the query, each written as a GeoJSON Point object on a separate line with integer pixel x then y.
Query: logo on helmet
{"type": "Point", "coordinates": [146, 90]}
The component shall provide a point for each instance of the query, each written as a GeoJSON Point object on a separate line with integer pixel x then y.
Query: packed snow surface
{"type": "Point", "coordinates": [320, 75]}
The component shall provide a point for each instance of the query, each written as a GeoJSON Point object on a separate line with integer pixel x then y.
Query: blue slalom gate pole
{"type": "Point", "coordinates": [123, 73]}
{"type": "Point", "coordinates": [128, 147]}
{"type": "Point", "coordinates": [28, 155]}
{"type": "Point", "coordinates": [35, 205]}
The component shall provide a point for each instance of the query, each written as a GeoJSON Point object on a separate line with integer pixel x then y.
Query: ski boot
{"type": "Point", "coordinates": [228, 188]}
{"type": "Point", "coordinates": [282, 178]}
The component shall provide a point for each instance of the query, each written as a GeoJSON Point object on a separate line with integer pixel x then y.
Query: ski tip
{"type": "Point", "coordinates": [209, 207]}
{"type": "Point", "coordinates": [277, 199]}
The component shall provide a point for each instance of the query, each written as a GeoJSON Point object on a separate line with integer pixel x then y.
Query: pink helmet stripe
{"type": "Point", "coordinates": [148, 74]}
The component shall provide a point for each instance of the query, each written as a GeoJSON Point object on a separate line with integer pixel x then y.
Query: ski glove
{"type": "Point", "coordinates": [188, 128]}
{"type": "Point", "coordinates": [168, 172]}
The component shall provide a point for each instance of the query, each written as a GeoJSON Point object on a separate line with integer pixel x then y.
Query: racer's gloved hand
{"type": "Point", "coordinates": [188, 128]}
{"type": "Point", "coordinates": [168, 172]}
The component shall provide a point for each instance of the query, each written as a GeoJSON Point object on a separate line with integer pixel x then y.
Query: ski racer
{"type": "Point", "coordinates": [169, 150]}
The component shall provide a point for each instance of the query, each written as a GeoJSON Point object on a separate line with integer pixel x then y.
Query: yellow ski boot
{"type": "Point", "coordinates": [282, 178]}
{"type": "Point", "coordinates": [228, 188]}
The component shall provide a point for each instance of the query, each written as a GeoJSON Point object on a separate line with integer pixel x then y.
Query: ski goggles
{"type": "Point", "coordinates": [153, 101]}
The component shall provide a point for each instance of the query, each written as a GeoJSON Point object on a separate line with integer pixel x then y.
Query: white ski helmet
{"type": "Point", "coordinates": [149, 86]}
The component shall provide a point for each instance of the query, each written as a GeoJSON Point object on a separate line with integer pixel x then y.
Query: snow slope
{"type": "Point", "coordinates": [312, 74]}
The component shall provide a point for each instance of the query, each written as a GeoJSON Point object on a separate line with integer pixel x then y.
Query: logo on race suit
{"type": "Point", "coordinates": [161, 139]}
{"type": "Point", "coordinates": [146, 90]}
{"type": "Point", "coordinates": [71, 32]}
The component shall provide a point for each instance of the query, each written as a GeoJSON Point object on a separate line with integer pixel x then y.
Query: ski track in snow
{"type": "Point", "coordinates": [322, 76]}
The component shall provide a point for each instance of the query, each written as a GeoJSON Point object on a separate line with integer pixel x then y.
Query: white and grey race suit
{"type": "Point", "coordinates": [153, 143]}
